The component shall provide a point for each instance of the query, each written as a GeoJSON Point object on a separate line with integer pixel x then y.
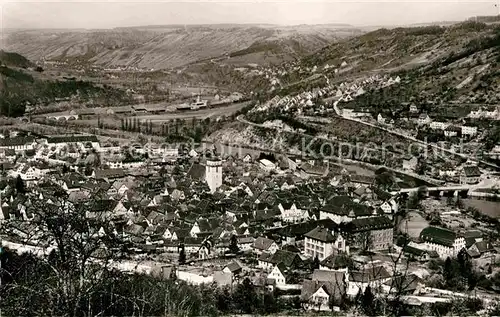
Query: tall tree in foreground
{"type": "Point", "coordinates": [74, 255]}
{"type": "Point", "coordinates": [182, 255]}
{"type": "Point", "coordinates": [20, 186]}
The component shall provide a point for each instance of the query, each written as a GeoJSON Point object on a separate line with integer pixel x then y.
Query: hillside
{"type": "Point", "coordinates": [14, 60]}
{"type": "Point", "coordinates": [172, 46]}
{"type": "Point", "coordinates": [444, 71]}
{"type": "Point", "coordinates": [21, 89]}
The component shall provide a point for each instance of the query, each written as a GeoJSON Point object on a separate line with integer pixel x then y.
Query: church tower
{"type": "Point", "coordinates": [213, 174]}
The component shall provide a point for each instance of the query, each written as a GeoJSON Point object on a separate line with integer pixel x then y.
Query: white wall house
{"type": "Point", "coordinates": [290, 213]}
{"type": "Point", "coordinates": [374, 277]}
{"type": "Point", "coordinates": [389, 206]}
{"type": "Point", "coordinates": [278, 274]}
{"type": "Point", "coordinates": [267, 165]}
{"type": "Point", "coordinates": [470, 131]}
{"type": "Point", "coordinates": [438, 125]}
{"type": "Point", "coordinates": [445, 242]}
{"type": "Point", "coordinates": [322, 242]}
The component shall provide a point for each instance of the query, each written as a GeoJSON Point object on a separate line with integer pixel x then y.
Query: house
{"type": "Point", "coordinates": [487, 114]}
{"type": "Point", "coordinates": [321, 242]}
{"type": "Point", "coordinates": [470, 175]}
{"type": "Point", "coordinates": [291, 260]}
{"type": "Point", "coordinates": [452, 131]}
{"type": "Point", "coordinates": [438, 125]}
{"type": "Point", "coordinates": [262, 244]}
{"type": "Point", "coordinates": [410, 163]}
{"type": "Point", "coordinates": [424, 119]}
{"type": "Point", "coordinates": [372, 233]}
{"type": "Point", "coordinates": [279, 274]}
{"type": "Point", "coordinates": [445, 242]}
{"type": "Point", "coordinates": [403, 284]}
{"type": "Point", "coordinates": [324, 290]}
{"type": "Point", "coordinates": [61, 141]}
{"type": "Point", "coordinates": [480, 248]}
{"type": "Point", "coordinates": [469, 131]}
{"type": "Point", "coordinates": [233, 268]}
{"type": "Point", "coordinates": [245, 242]}
{"type": "Point", "coordinates": [291, 214]}
{"type": "Point", "coordinates": [267, 165]}
{"type": "Point", "coordinates": [361, 180]}
{"type": "Point", "coordinates": [375, 277]}
{"type": "Point", "coordinates": [380, 119]}
{"type": "Point", "coordinates": [18, 144]}
{"type": "Point", "coordinates": [343, 209]}
{"type": "Point", "coordinates": [389, 206]}
{"type": "Point", "coordinates": [416, 254]}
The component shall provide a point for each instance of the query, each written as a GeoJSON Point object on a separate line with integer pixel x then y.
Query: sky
{"type": "Point", "coordinates": [108, 14]}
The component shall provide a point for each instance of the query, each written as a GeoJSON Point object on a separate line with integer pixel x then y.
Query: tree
{"type": "Point", "coordinates": [182, 255]}
{"type": "Point", "coordinates": [78, 263]}
{"type": "Point", "coordinates": [421, 167]}
{"type": "Point", "coordinates": [449, 201]}
{"type": "Point", "coordinates": [315, 263]}
{"type": "Point", "coordinates": [364, 241]}
{"type": "Point", "coordinates": [245, 297]}
{"type": "Point", "coordinates": [459, 203]}
{"type": "Point", "coordinates": [368, 302]}
{"type": "Point", "coordinates": [20, 187]}
{"type": "Point", "coordinates": [233, 245]}
{"type": "Point", "coordinates": [384, 178]}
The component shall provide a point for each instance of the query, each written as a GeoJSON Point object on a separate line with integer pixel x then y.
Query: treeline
{"type": "Point", "coordinates": [423, 30]}
{"type": "Point", "coordinates": [175, 130]}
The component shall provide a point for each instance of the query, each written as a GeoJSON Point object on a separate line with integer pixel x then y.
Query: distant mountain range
{"type": "Point", "coordinates": [170, 46]}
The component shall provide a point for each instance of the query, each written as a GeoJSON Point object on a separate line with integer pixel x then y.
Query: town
{"type": "Point", "coordinates": [257, 170]}
{"type": "Point", "coordinates": [308, 227]}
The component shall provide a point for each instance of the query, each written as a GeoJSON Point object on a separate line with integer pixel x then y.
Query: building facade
{"type": "Point", "coordinates": [445, 242]}
{"type": "Point", "coordinates": [322, 242]}
{"type": "Point", "coordinates": [213, 174]}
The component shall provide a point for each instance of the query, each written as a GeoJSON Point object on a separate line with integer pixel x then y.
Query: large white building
{"type": "Point", "coordinates": [213, 174]}
{"type": "Point", "coordinates": [445, 242]}
{"type": "Point", "coordinates": [438, 125]}
{"type": "Point", "coordinates": [18, 144]}
{"type": "Point", "coordinates": [322, 242]}
{"type": "Point", "coordinates": [470, 131]}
